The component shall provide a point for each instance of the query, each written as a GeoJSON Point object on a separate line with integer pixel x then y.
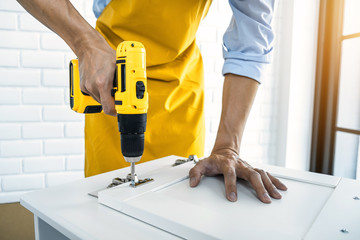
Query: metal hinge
{"type": "Point", "coordinates": [193, 158]}
{"type": "Point", "coordinates": [118, 181]}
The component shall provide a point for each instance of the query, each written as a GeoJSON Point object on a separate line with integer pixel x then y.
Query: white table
{"type": "Point", "coordinates": [316, 206]}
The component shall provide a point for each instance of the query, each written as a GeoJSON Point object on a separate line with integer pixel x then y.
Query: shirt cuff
{"type": "Point", "coordinates": [246, 68]}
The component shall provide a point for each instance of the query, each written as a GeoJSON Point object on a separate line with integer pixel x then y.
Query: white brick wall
{"type": "Point", "coordinates": [10, 5]}
{"type": "Point", "coordinates": [53, 179]}
{"type": "Point", "coordinates": [19, 77]}
{"type": "Point", "coordinates": [9, 58]}
{"type": "Point", "coordinates": [41, 139]}
{"type": "Point", "coordinates": [10, 131]}
{"type": "Point", "coordinates": [20, 148]}
{"type": "Point", "coordinates": [10, 166]}
{"type": "Point", "coordinates": [61, 113]}
{"type": "Point", "coordinates": [74, 163]}
{"type": "Point", "coordinates": [16, 40]}
{"type": "Point", "coordinates": [42, 59]}
{"type": "Point", "coordinates": [50, 41]}
{"type": "Point", "coordinates": [64, 146]}
{"type": "Point", "coordinates": [20, 113]}
{"type": "Point", "coordinates": [55, 78]}
{"type": "Point", "coordinates": [29, 23]}
{"type": "Point", "coordinates": [22, 182]}
{"type": "Point", "coordinates": [74, 130]}
{"type": "Point", "coordinates": [43, 96]}
{"type": "Point", "coordinates": [43, 164]}
{"type": "Point", "coordinates": [10, 96]}
{"type": "Point", "coordinates": [8, 20]}
{"type": "Point", "coordinates": [42, 130]}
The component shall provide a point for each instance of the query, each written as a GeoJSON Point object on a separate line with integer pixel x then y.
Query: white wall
{"type": "Point", "coordinates": [41, 139]}
{"type": "Point", "coordinates": [297, 96]}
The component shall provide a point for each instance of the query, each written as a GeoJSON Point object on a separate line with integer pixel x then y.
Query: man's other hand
{"type": "Point", "coordinates": [227, 163]}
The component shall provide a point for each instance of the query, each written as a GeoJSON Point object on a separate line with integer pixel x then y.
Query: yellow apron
{"type": "Point", "coordinates": [175, 124]}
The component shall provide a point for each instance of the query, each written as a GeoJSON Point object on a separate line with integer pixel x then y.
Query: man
{"type": "Point", "coordinates": [175, 80]}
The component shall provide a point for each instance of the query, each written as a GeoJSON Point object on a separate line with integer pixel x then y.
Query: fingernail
{"type": "Point", "coordinates": [276, 193]}
{"type": "Point", "coordinates": [267, 197]}
{"type": "Point", "coordinates": [192, 182]}
{"type": "Point", "coordinates": [232, 197]}
{"type": "Point", "coordinates": [283, 187]}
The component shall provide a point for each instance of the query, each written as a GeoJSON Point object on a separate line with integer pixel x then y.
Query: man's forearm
{"type": "Point", "coordinates": [62, 18]}
{"type": "Point", "coordinates": [96, 57]}
{"type": "Point", "coordinates": [238, 95]}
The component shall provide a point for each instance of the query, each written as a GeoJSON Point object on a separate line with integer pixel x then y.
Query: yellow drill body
{"type": "Point", "coordinates": [131, 75]}
{"type": "Point", "coordinates": [130, 95]}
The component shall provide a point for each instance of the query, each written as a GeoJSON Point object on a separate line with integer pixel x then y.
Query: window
{"type": "Point", "coordinates": [336, 125]}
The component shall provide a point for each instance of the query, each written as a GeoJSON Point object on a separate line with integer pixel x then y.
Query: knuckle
{"type": "Point", "coordinates": [272, 187]}
{"type": "Point", "coordinates": [229, 172]}
{"type": "Point", "coordinates": [228, 165]}
{"type": "Point", "coordinates": [106, 110]}
{"type": "Point", "coordinates": [84, 90]}
{"type": "Point", "coordinates": [261, 171]}
{"type": "Point", "coordinates": [99, 83]}
{"type": "Point", "coordinates": [88, 86]}
{"type": "Point", "coordinates": [276, 181]}
{"type": "Point", "coordinates": [229, 161]}
{"type": "Point", "coordinates": [195, 170]}
{"type": "Point", "coordinates": [192, 172]}
{"type": "Point", "coordinates": [254, 175]}
{"type": "Point", "coordinates": [82, 86]}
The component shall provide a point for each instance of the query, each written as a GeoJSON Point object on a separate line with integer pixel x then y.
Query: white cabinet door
{"type": "Point", "coordinates": [203, 212]}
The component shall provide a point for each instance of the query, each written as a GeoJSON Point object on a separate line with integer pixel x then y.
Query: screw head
{"type": "Point", "coordinates": [344, 231]}
{"type": "Point", "coordinates": [356, 198]}
{"type": "Point", "coordinates": [193, 158]}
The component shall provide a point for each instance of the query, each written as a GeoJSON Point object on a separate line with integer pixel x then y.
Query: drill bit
{"type": "Point", "coordinates": [133, 175]}
{"type": "Point", "coordinates": [133, 178]}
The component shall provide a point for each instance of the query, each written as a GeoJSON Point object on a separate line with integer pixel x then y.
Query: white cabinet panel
{"type": "Point", "coordinates": [316, 206]}
{"type": "Point", "coordinates": [340, 217]}
{"type": "Point", "coordinates": [203, 212]}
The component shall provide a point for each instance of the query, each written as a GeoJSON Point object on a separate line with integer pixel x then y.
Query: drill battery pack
{"type": "Point", "coordinates": [79, 101]}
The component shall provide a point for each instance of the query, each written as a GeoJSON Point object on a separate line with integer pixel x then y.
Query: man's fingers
{"type": "Point", "coordinates": [86, 88]}
{"type": "Point", "coordinates": [98, 83]}
{"type": "Point", "coordinates": [102, 94]}
{"type": "Point", "coordinates": [230, 184]}
{"type": "Point", "coordinates": [195, 173]}
{"type": "Point", "coordinates": [278, 184]}
{"type": "Point", "coordinates": [256, 182]}
{"type": "Point", "coordinates": [107, 102]}
{"type": "Point", "coordinates": [268, 184]}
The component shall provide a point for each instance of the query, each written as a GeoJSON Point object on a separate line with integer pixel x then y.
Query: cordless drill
{"type": "Point", "coordinates": [130, 95]}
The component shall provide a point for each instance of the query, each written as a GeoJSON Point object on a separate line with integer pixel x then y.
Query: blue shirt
{"type": "Point", "coordinates": [247, 42]}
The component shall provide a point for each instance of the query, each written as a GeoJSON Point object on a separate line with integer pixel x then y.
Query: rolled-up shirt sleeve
{"type": "Point", "coordinates": [98, 6]}
{"type": "Point", "coordinates": [247, 42]}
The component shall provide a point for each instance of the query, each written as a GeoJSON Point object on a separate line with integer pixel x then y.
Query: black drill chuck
{"type": "Point", "coordinates": [132, 128]}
